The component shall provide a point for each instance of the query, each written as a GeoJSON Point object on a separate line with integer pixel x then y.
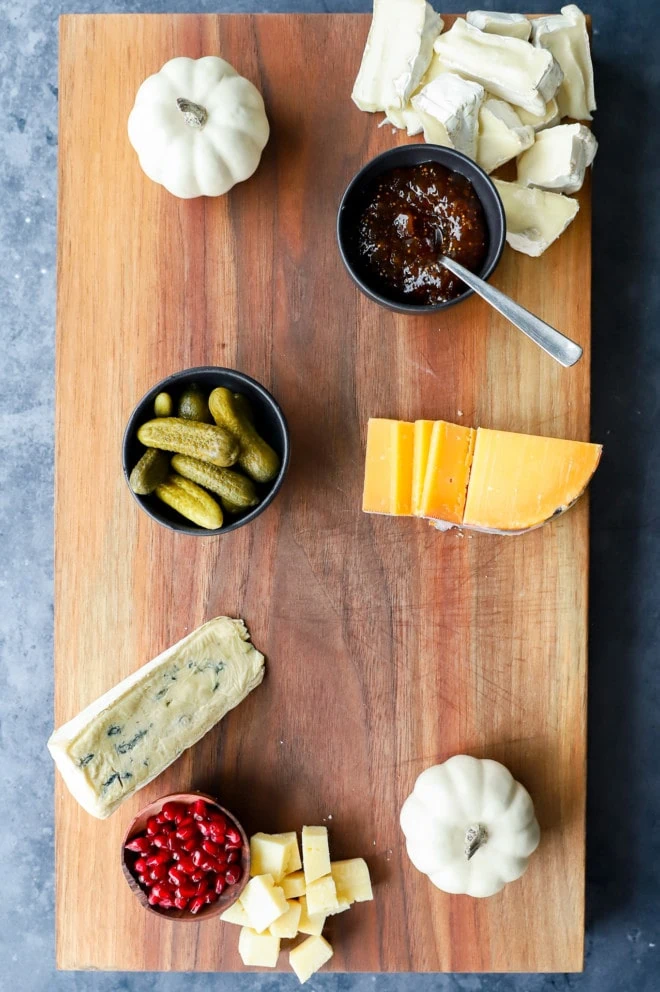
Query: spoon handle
{"type": "Point", "coordinates": [555, 344]}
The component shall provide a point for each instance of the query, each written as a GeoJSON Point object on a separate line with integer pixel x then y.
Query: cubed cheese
{"type": "Point", "coordinates": [534, 218]}
{"type": "Point", "coordinates": [548, 118]}
{"type": "Point", "coordinates": [316, 853]}
{"type": "Point", "coordinates": [269, 855]}
{"type": "Point", "coordinates": [263, 901]}
{"type": "Point", "coordinates": [236, 914]}
{"type": "Point", "coordinates": [565, 35]}
{"type": "Point", "coordinates": [502, 134]}
{"type": "Point", "coordinates": [309, 924]}
{"type": "Point", "coordinates": [308, 957]}
{"type": "Point", "coordinates": [286, 925]}
{"type": "Point", "coordinates": [494, 22]}
{"type": "Point", "coordinates": [453, 102]}
{"type": "Point", "coordinates": [321, 896]}
{"type": "Point", "coordinates": [387, 489]}
{"type": "Point", "coordinates": [558, 159]}
{"type": "Point", "coordinates": [352, 880]}
{"type": "Point", "coordinates": [260, 950]}
{"type": "Point", "coordinates": [293, 862]}
{"type": "Point", "coordinates": [294, 885]}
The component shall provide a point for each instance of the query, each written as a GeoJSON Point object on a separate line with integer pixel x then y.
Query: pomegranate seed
{"type": "Point", "coordinates": [140, 866]}
{"type": "Point", "coordinates": [166, 903]}
{"type": "Point", "coordinates": [141, 845]}
{"type": "Point", "coordinates": [177, 877]}
{"type": "Point", "coordinates": [159, 873]}
{"type": "Point", "coordinates": [202, 888]}
{"type": "Point", "coordinates": [172, 809]}
{"type": "Point", "coordinates": [232, 857]}
{"type": "Point", "coordinates": [143, 880]}
{"type": "Point", "coordinates": [162, 891]}
{"type": "Point", "coordinates": [233, 836]}
{"type": "Point", "coordinates": [185, 821]}
{"type": "Point", "coordinates": [187, 865]}
{"type": "Point", "coordinates": [197, 876]}
{"type": "Point", "coordinates": [189, 845]}
{"type": "Point", "coordinates": [222, 859]}
{"type": "Point", "coordinates": [186, 891]}
{"type": "Point", "coordinates": [220, 885]}
{"type": "Point", "coordinates": [211, 848]}
{"type": "Point", "coordinates": [197, 904]}
{"type": "Point", "coordinates": [208, 865]}
{"type": "Point", "coordinates": [211, 897]}
{"type": "Point", "coordinates": [233, 874]}
{"type": "Point", "coordinates": [185, 833]}
{"type": "Point", "coordinates": [161, 858]}
{"type": "Point", "coordinates": [160, 818]}
{"type": "Point", "coordinates": [197, 857]}
{"type": "Point", "coordinates": [153, 899]}
{"type": "Point", "coordinates": [160, 840]}
{"type": "Point", "coordinates": [216, 834]}
{"type": "Point", "coordinates": [199, 809]}
{"type": "Point", "coordinates": [180, 903]}
{"type": "Point", "coordinates": [204, 828]}
{"type": "Point", "coordinates": [219, 820]}
{"type": "Point", "coordinates": [152, 826]}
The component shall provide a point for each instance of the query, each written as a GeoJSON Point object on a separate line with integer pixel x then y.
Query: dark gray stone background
{"type": "Point", "coordinates": [623, 891]}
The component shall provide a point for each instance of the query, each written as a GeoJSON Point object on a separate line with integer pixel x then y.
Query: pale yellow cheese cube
{"type": "Point", "coordinates": [259, 949]}
{"type": "Point", "coordinates": [309, 924]}
{"type": "Point", "coordinates": [269, 855]}
{"type": "Point", "coordinates": [352, 880]}
{"type": "Point", "coordinates": [321, 896]}
{"type": "Point", "coordinates": [236, 914]}
{"type": "Point", "coordinates": [293, 862]}
{"type": "Point", "coordinates": [342, 906]}
{"type": "Point", "coordinates": [294, 885]}
{"type": "Point", "coordinates": [263, 901]}
{"type": "Point", "coordinates": [286, 925]}
{"type": "Point", "coordinates": [308, 957]}
{"type": "Point", "coordinates": [316, 853]}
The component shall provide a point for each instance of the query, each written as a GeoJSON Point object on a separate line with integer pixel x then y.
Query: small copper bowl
{"type": "Point", "coordinates": [139, 825]}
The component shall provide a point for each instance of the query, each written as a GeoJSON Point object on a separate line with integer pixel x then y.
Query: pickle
{"type": "Point", "coordinates": [204, 441]}
{"type": "Point", "coordinates": [149, 472]}
{"type": "Point", "coordinates": [235, 489]}
{"type": "Point", "coordinates": [163, 406]}
{"type": "Point", "coordinates": [256, 457]}
{"type": "Point", "coordinates": [243, 406]}
{"type": "Point", "coordinates": [193, 405]}
{"type": "Point", "coordinates": [190, 501]}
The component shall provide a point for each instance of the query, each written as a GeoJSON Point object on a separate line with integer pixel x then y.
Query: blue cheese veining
{"type": "Point", "coordinates": [133, 732]}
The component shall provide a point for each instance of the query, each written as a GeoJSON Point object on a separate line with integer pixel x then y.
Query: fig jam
{"type": "Point", "coordinates": [412, 215]}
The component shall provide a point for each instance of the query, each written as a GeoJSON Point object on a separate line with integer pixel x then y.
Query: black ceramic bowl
{"type": "Point", "coordinates": [356, 196]}
{"type": "Point", "coordinates": [268, 419]}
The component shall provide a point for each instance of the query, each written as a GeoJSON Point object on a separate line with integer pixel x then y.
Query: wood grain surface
{"type": "Point", "coordinates": [390, 646]}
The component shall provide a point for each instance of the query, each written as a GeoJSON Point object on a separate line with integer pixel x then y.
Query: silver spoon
{"type": "Point", "coordinates": [555, 344]}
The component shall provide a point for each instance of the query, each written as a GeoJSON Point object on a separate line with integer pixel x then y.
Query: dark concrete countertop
{"type": "Point", "coordinates": [623, 878]}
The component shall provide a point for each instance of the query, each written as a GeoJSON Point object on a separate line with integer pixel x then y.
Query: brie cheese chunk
{"type": "Point", "coordinates": [406, 119]}
{"type": "Point", "coordinates": [132, 733]}
{"type": "Point", "coordinates": [534, 218]}
{"type": "Point", "coordinates": [494, 22]}
{"type": "Point", "coordinates": [397, 53]}
{"type": "Point", "coordinates": [454, 103]}
{"type": "Point", "coordinates": [508, 67]}
{"type": "Point", "coordinates": [558, 158]}
{"type": "Point", "coordinates": [502, 135]}
{"type": "Point", "coordinates": [547, 119]}
{"type": "Point", "coordinates": [565, 35]}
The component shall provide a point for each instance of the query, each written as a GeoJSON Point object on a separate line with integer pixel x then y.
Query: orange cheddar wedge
{"type": "Point", "coordinates": [519, 481]}
{"type": "Point", "coordinates": [423, 431]}
{"type": "Point", "coordinates": [389, 467]}
{"type": "Point", "coordinates": [447, 472]}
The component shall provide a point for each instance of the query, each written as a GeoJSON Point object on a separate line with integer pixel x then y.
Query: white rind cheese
{"type": "Point", "coordinates": [455, 103]}
{"type": "Point", "coordinates": [397, 54]}
{"type": "Point", "coordinates": [565, 35]}
{"type": "Point", "coordinates": [494, 22]}
{"type": "Point", "coordinates": [549, 118]}
{"type": "Point", "coordinates": [502, 135]}
{"type": "Point", "coordinates": [506, 67]}
{"type": "Point", "coordinates": [534, 218]}
{"type": "Point", "coordinates": [132, 733]}
{"type": "Point", "coordinates": [406, 120]}
{"type": "Point", "coordinates": [558, 158]}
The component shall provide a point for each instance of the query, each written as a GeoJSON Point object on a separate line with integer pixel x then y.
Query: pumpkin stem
{"type": "Point", "coordinates": [475, 836]}
{"type": "Point", "coordinates": [194, 115]}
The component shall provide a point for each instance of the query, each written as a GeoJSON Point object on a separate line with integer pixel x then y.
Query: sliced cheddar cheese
{"type": "Point", "coordinates": [422, 443]}
{"type": "Point", "coordinates": [447, 472]}
{"type": "Point", "coordinates": [389, 467]}
{"type": "Point", "coordinates": [519, 481]}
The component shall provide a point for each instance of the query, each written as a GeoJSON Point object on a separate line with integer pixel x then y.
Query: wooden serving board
{"type": "Point", "coordinates": [390, 646]}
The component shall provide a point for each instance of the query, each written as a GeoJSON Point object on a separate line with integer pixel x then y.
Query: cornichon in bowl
{"type": "Point", "coordinates": [150, 471]}
{"type": "Point", "coordinates": [256, 457]}
{"type": "Point", "coordinates": [193, 405]}
{"type": "Point", "coordinates": [208, 442]}
{"type": "Point", "coordinates": [236, 490]}
{"type": "Point", "coordinates": [191, 501]}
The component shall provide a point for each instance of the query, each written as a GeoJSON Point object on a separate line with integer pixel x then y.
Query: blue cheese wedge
{"type": "Point", "coordinates": [558, 159]}
{"type": "Point", "coordinates": [494, 22]}
{"type": "Point", "coordinates": [534, 218]}
{"type": "Point", "coordinates": [565, 35]}
{"type": "Point", "coordinates": [507, 67]}
{"type": "Point", "coordinates": [132, 733]}
{"type": "Point", "coordinates": [453, 102]}
{"type": "Point", "coordinates": [397, 54]}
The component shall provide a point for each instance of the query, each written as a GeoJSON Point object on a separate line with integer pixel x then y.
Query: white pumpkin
{"type": "Point", "coordinates": [469, 826]}
{"type": "Point", "coordinates": [198, 127]}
